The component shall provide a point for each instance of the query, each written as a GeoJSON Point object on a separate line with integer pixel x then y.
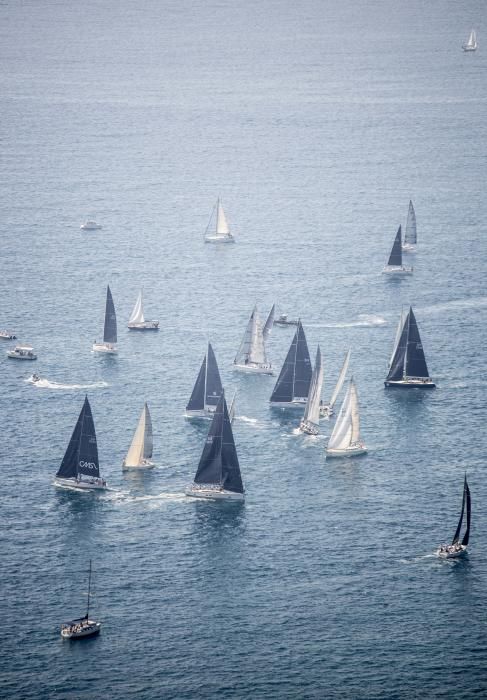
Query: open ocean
{"type": "Point", "coordinates": [315, 122]}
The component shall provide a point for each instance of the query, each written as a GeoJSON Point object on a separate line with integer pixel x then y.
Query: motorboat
{"type": "Point", "coordinates": [110, 328]}
{"type": "Point", "coordinates": [90, 225]}
{"type": "Point", "coordinates": [82, 626]}
{"type": "Point", "coordinates": [7, 335]}
{"type": "Point", "coordinates": [283, 320]}
{"type": "Point", "coordinates": [35, 378]}
{"type": "Point", "coordinates": [22, 352]}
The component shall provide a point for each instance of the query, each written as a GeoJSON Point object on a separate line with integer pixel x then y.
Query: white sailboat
{"type": "Point", "coordinates": [411, 234]}
{"type": "Point", "coordinates": [137, 321]}
{"type": "Point", "coordinates": [251, 356]}
{"type": "Point", "coordinates": [327, 409]}
{"type": "Point", "coordinates": [471, 44]}
{"type": "Point", "coordinates": [140, 451]}
{"type": "Point", "coordinates": [221, 234]}
{"type": "Point", "coordinates": [345, 439]}
{"type": "Point", "coordinates": [311, 419]}
{"type": "Point", "coordinates": [110, 328]}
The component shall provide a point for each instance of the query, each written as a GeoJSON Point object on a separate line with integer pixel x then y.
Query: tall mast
{"type": "Point", "coordinates": [206, 374]}
{"type": "Point", "coordinates": [405, 360]}
{"type": "Point", "coordinates": [89, 590]}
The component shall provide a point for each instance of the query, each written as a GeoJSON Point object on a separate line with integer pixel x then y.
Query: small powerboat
{"type": "Point", "coordinates": [7, 335]}
{"type": "Point", "coordinates": [90, 225]}
{"type": "Point", "coordinates": [283, 320]}
{"type": "Point", "coordinates": [35, 378]}
{"type": "Point", "coordinates": [22, 352]}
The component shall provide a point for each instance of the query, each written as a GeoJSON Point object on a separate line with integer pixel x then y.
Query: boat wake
{"type": "Point", "coordinates": [46, 384]}
{"type": "Point", "coordinates": [124, 498]}
{"type": "Point", "coordinates": [362, 321]}
{"type": "Point", "coordinates": [469, 303]}
{"type": "Point", "coordinates": [245, 419]}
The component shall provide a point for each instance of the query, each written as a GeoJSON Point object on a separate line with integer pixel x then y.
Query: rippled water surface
{"type": "Point", "coordinates": [315, 122]}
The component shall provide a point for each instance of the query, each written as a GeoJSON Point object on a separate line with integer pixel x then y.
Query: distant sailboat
{"type": "Point", "coordinates": [82, 626]}
{"type": "Point", "coordinates": [345, 439]}
{"type": "Point", "coordinates": [221, 234]}
{"type": "Point", "coordinates": [411, 235]}
{"type": "Point", "coordinates": [80, 468]}
{"type": "Point", "coordinates": [269, 323]}
{"type": "Point", "coordinates": [207, 389]}
{"type": "Point", "coordinates": [251, 356]}
{"type": "Point", "coordinates": [457, 548]}
{"type": "Point", "coordinates": [407, 366]}
{"type": "Point", "coordinates": [140, 450]}
{"type": "Point", "coordinates": [311, 419]}
{"type": "Point", "coordinates": [110, 328]}
{"type": "Point", "coordinates": [137, 321]}
{"type": "Point", "coordinates": [394, 265]}
{"type": "Point", "coordinates": [327, 409]}
{"type": "Point", "coordinates": [471, 44]}
{"type": "Point", "coordinates": [218, 474]}
{"type": "Point", "coordinates": [292, 386]}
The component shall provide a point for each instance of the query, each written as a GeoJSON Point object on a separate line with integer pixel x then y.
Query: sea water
{"type": "Point", "coordinates": [315, 122]}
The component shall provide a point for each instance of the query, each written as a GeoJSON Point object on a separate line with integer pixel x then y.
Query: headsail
{"type": "Point", "coordinates": [397, 363]}
{"type": "Point", "coordinates": [269, 323]}
{"type": "Point", "coordinates": [138, 311]}
{"type": "Point", "coordinates": [395, 258]}
{"type": "Point", "coordinates": [410, 235]}
{"type": "Point", "coordinates": [141, 446]}
{"type": "Point", "coordinates": [400, 326]}
{"type": "Point", "coordinates": [110, 329]}
{"type": "Point", "coordinates": [213, 383]}
{"type": "Point", "coordinates": [415, 359]}
{"type": "Point", "coordinates": [312, 408]}
{"type": "Point", "coordinates": [81, 456]}
{"type": "Point", "coordinates": [222, 227]}
{"type": "Point", "coordinates": [197, 399]}
{"type": "Point", "coordinates": [341, 379]}
{"type": "Point", "coordinates": [245, 346]}
{"type": "Point", "coordinates": [341, 436]}
{"type": "Point", "coordinates": [295, 376]}
{"type": "Point", "coordinates": [466, 502]}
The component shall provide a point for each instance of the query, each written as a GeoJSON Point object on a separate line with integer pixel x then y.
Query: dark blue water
{"type": "Point", "coordinates": [316, 123]}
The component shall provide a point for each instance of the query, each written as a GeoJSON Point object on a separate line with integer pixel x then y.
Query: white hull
{"type": "Point", "coordinates": [469, 48]}
{"type": "Point", "coordinates": [253, 368]}
{"type": "Point", "coordinates": [80, 485]}
{"type": "Point", "coordinates": [77, 631]}
{"type": "Point", "coordinates": [297, 403]}
{"type": "Point", "coordinates": [451, 553]}
{"type": "Point", "coordinates": [214, 494]}
{"type": "Point", "coordinates": [219, 239]}
{"type": "Point", "coordinates": [204, 413]}
{"type": "Point", "coordinates": [15, 356]}
{"type": "Point", "coordinates": [309, 428]}
{"type": "Point", "coordinates": [145, 326]}
{"type": "Point", "coordinates": [409, 248]}
{"type": "Point", "coordinates": [326, 411]}
{"type": "Point", "coordinates": [349, 452]}
{"type": "Point", "coordinates": [398, 270]}
{"type": "Point", "coordinates": [107, 348]}
{"type": "Point", "coordinates": [5, 335]}
{"type": "Point", "coordinates": [146, 464]}
{"type": "Point", "coordinates": [411, 383]}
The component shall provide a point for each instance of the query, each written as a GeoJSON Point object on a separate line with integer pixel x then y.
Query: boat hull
{"type": "Point", "coordinates": [203, 413]}
{"type": "Point", "coordinates": [15, 356]}
{"type": "Point", "coordinates": [106, 348]}
{"type": "Point", "coordinates": [469, 48]}
{"type": "Point", "coordinates": [309, 428]}
{"type": "Point", "coordinates": [350, 452]}
{"type": "Point", "coordinates": [326, 411]}
{"type": "Point", "coordinates": [297, 403]}
{"type": "Point", "coordinates": [454, 554]}
{"type": "Point", "coordinates": [146, 464]}
{"type": "Point", "coordinates": [146, 326]}
{"type": "Point", "coordinates": [409, 248]}
{"type": "Point", "coordinates": [4, 335]}
{"type": "Point", "coordinates": [219, 239]}
{"type": "Point", "coordinates": [214, 494]}
{"type": "Point", "coordinates": [253, 369]}
{"type": "Point", "coordinates": [410, 384]}
{"type": "Point", "coordinates": [80, 485]}
{"type": "Point", "coordinates": [81, 631]}
{"type": "Point", "coordinates": [397, 270]}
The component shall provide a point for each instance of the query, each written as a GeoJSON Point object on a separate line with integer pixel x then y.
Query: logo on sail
{"type": "Point", "coordinates": [87, 465]}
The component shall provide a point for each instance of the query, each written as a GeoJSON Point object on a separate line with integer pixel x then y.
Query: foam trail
{"type": "Point", "coordinates": [126, 499]}
{"type": "Point", "coordinates": [362, 321]}
{"type": "Point", "coordinates": [245, 419]}
{"type": "Point", "coordinates": [46, 384]}
{"type": "Point", "coordinates": [468, 303]}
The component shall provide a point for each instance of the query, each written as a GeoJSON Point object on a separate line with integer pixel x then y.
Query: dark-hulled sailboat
{"type": "Point", "coordinates": [109, 329]}
{"type": "Point", "coordinates": [82, 626]}
{"type": "Point", "coordinates": [407, 368]}
{"type": "Point", "coordinates": [207, 389]}
{"type": "Point", "coordinates": [80, 468]}
{"type": "Point", "coordinates": [394, 265]}
{"type": "Point", "coordinates": [292, 386]}
{"type": "Point", "coordinates": [457, 548]}
{"type": "Point", "coordinates": [218, 474]}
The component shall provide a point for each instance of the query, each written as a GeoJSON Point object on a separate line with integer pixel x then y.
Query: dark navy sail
{"type": "Point", "coordinates": [197, 398]}
{"type": "Point", "coordinates": [213, 382]}
{"type": "Point", "coordinates": [415, 359]}
{"type": "Point", "coordinates": [81, 456]}
{"type": "Point", "coordinates": [219, 465]}
{"type": "Point", "coordinates": [466, 502]}
{"type": "Point", "coordinates": [395, 257]}
{"type": "Point", "coordinates": [110, 329]}
{"type": "Point", "coordinates": [295, 376]}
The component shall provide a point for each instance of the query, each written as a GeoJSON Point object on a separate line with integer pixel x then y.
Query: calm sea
{"type": "Point", "coordinates": [315, 122]}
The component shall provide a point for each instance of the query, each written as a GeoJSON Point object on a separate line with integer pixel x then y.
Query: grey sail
{"type": "Point", "coordinates": [81, 456]}
{"type": "Point", "coordinates": [415, 359]}
{"type": "Point", "coordinates": [110, 329]}
{"type": "Point", "coordinates": [214, 387]}
{"type": "Point", "coordinates": [148, 438]}
{"type": "Point", "coordinates": [219, 465]}
{"type": "Point", "coordinates": [197, 398]}
{"type": "Point", "coordinates": [395, 258]}
{"type": "Point", "coordinates": [398, 360]}
{"type": "Point", "coordinates": [295, 376]}
{"type": "Point", "coordinates": [269, 323]}
{"type": "Point", "coordinates": [410, 235]}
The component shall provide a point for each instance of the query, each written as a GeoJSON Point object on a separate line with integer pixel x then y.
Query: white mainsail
{"type": "Point", "coordinates": [138, 311]}
{"type": "Point", "coordinates": [341, 379]}
{"type": "Point", "coordinates": [410, 235]}
{"type": "Point", "coordinates": [400, 326]}
{"type": "Point", "coordinates": [222, 227]}
{"type": "Point", "coordinates": [472, 40]}
{"type": "Point", "coordinates": [355, 413]}
{"type": "Point", "coordinates": [312, 408]}
{"type": "Point", "coordinates": [140, 449]}
{"type": "Point", "coordinates": [252, 347]}
{"type": "Point", "coordinates": [341, 436]}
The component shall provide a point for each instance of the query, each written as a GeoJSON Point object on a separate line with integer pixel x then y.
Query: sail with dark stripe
{"type": "Point", "coordinates": [110, 329]}
{"type": "Point", "coordinates": [81, 456]}
{"type": "Point", "coordinates": [466, 502]}
{"type": "Point", "coordinates": [295, 376]}
{"type": "Point", "coordinates": [410, 235]}
{"type": "Point", "coordinates": [415, 359]}
{"type": "Point", "coordinates": [213, 382]}
{"type": "Point", "coordinates": [219, 465]}
{"type": "Point", "coordinates": [395, 257]}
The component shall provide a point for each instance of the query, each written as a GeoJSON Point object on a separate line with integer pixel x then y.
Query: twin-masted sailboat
{"type": "Point", "coordinates": [410, 234]}
{"type": "Point", "coordinates": [218, 474]}
{"type": "Point", "coordinates": [457, 548]}
{"type": "Point", "coordinates": [139, 454]}
{"type": "Point", "coordinates": [345, 439]}
{"type": "Point", "coordinates": [394, 265]}
{"type": "Point", "coordinates": [251, 356]}
{"type": "Point", "coordinates": [407, 366]}
{"type": "Point", "coordinates": [109, 329]}
{"type": "Point", "coordinates": [221, 232]}
{"type": "Point", "coordinates": [137, 321]}
{"type": "Point", "coordinates": [82, 626]}
{"type": "Point", "coordinates": [310, 423]}
{"type": "Point", "coordinates": [80, 468]}
{"type": "Point", "coordinates": [292, 386]}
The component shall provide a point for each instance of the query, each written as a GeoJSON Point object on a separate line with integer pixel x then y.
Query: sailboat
{"type": "Point", "coordinates": [407, 366]}
{"type": "Point", "coordinates": [457, 548]}
{"type": "Point", "coordinates": [345, 439]}
{"type": "Point", "coordinates": [80, 468]}
{"type": "Point", "coordinates": [207, 389]}
{"type": "Point", "coordinates": [326, 410]}
{"type": "Point", "coordinates": [292, 386]}
{"type": "Point", "coordinates": [311, 419]}
{"type": "Point", "coordinates": [221, 234]}
{"type": "Point", "coordinates": [82, 626]}
{"type": "Point", "coordinates": [269, 323]}
{"type": "Point", "coordinates": [410, 235]}
{"type": "Point", "coordinates": [218, 474]}
{"type": "Point", "coordinates": [110, 328]}
{"type": "Point", "coordinates": [140, 450]}
{"type": "Point", "coordinates": [394, 265]}
{"type": "Point", "coordinates": [251, 356]}
{"type": "Point", "coordinates": [471, 44]}
{"type": "Point", "coordinates": [137, 321]}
